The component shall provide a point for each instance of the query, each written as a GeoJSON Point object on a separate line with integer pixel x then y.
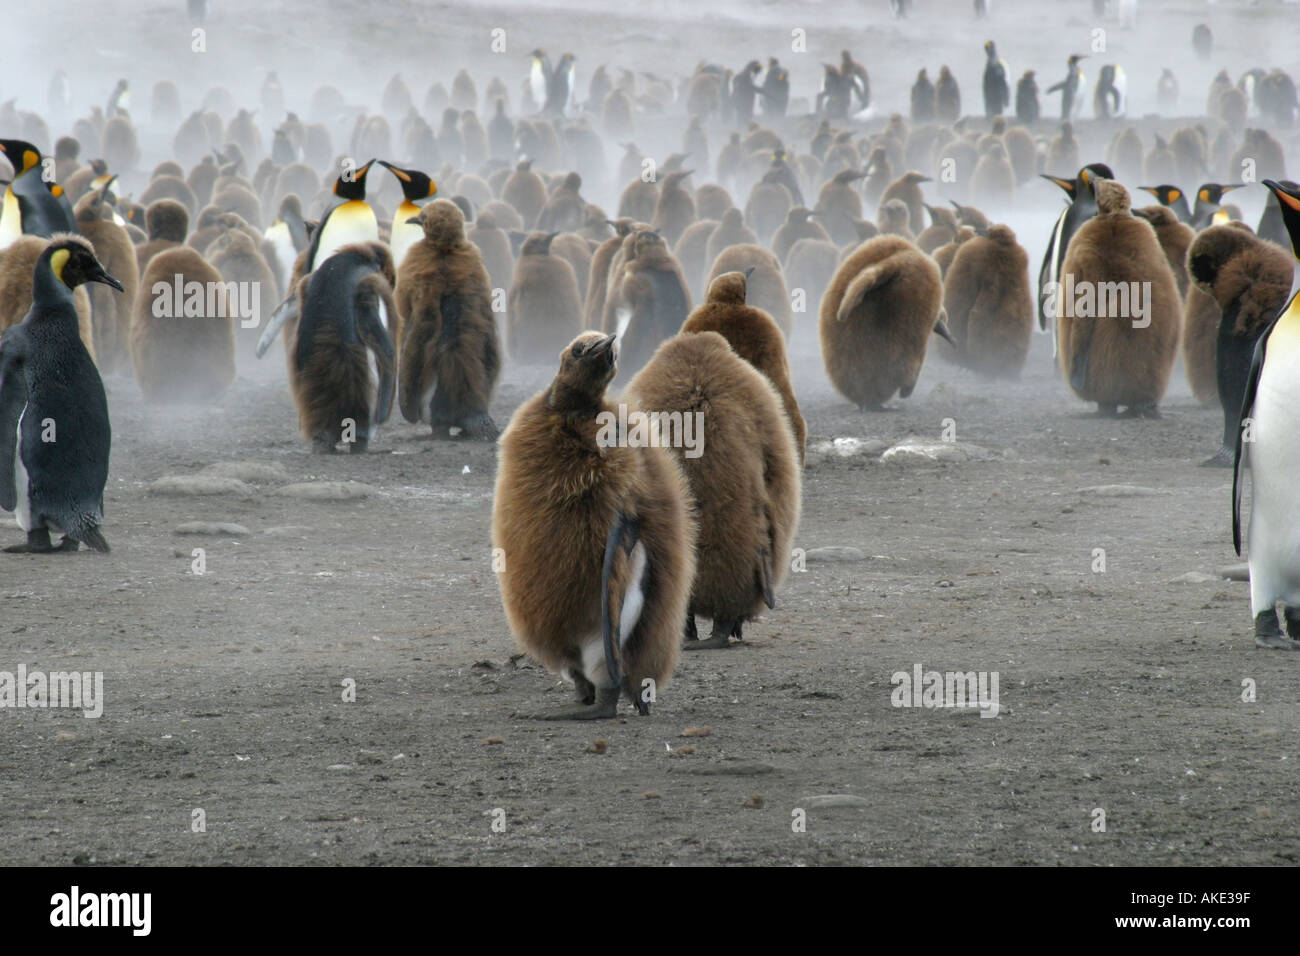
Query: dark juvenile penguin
{"type": "Point", "coordinates": [450, 357]}
{"type": "Point", "coordinates": [1270, 403]}
{"type": "Point", "coordinates": [650, 302]}
{"type": "Point", "coordinates": [1249, 280]}
{"type": "Point", "coordinates": [54, 480]}
{"type": "Point", "coordinates": [343, 310]}
{"type": "Point", "coordinates": [754, 335]}
{"type": "Point", "coordinates": [743, 474]}
{"type": "Point", "coordinates": [907, 189]}
{"type": "Point", "coordinates": [1027, 98]}
{"type": "Point", "coordinates": [543, 309]}
{"type": "Point", "coordinates": [675, 209]}
{"type": "Point", "coordinates": [947, 97]}
{"type": "Point", "coordinates": [597, 537]}
{"type": "Point", "coordinates": [1117, 350]}
{"type": "Point", "coordinates": [183, 330]}
{"type": "Point", "coordinates": [989, 304]}
{"type": "Point", "coordinates": [1174, 238]}
{"type": "Point", "coordinates": [1082, 207]}
{"type": "Point", "coordinates": [110, 310]}
{"type": "Point", "coordinates": [877, 318]}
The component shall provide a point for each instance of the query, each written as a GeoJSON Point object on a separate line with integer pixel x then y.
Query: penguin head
{"type": "Point", "coordinates": [442, 221]}
{"type": "Point", "coordinates": [1165, 194]}
{"type": "Point", "coordinates": [1112, 198]}
{"type": "Point", "coordinates": [729, 288]}
{"type": "Point", "coordinates": [73, 262]}
{"type": "Point", "coordinates": [415, 184]}
{"type": "Point", "coordinates": [352, 184]}
{"type": "Point", "coordinates": [1288, 200]}
{"type": "Point", "coordinates": [538, 244]}
{"type": "Point", "coordinates": [991, 49]}
{"type": "Point", "coordinates": [167, 219]}
{"type": "Point", "coordinates": [1212, 193]}
{"type": "Point", "coordinates": [1211, 250]}
{"type": "Point", "coordinates": [587, 365]}
{"type": "Point", "coordinates": [22, 155]}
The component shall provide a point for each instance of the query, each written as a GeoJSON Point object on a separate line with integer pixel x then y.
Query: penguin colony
{"type": "Point", "coordinates": [460, 251]}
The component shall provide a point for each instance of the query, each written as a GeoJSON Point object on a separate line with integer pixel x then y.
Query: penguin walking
{"type": "Point", "coordinates": [877, 318]}
{"type": "Point", "coordinates": [417, 187]}
{"type": "Point", "coordinates": [1272, 407]}
{"type": "Point", "coordinates": [1070, 87]}
{"type": "Point", "coordinates": [597, 537]}
{"type": "Point", "coordinates": [1249, 279]}
{"type": "Point", "coordinates": [450, 356]}
{"type": "Point", "coordinates": [343, 310]}
{"type": "Point", "coordinates": [997, 89]}
{"type": "Point", "coordinates": [1117, 310]}
{"type": "Point", "coordinates": [742, 472]}
{"type": "Point", "coordinates": [55, 433]}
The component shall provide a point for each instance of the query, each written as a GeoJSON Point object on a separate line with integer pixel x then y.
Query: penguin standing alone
{"type": "Point", "coordinates": [56, 479]}
{"type": "Point", "coordinates": [597, 538]}
{"type": "Point", "coordinates": [1272, 403]}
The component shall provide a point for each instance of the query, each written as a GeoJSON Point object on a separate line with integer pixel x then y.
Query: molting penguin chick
{"type": "Point", "coordinates": [742, 471]}
{"type": "Point", "coordinates": [989, 304]}
{"type": "Point", "coordinates": [1249, 280]}
{"type": "Point", "coordinates": [450, 354]}
{"type": "Point", "coordinates": [48, 379]}
{"type": "Point", "coordinates": [1115, 348]}
{"type": "Point", "coordinates": [543, 307]}
{"type": "Point", "coordinates": [753, 335]}
{"type": "Point", "coordinates": [876, 320]}
{"type": "Point", "coordinates": [597, 538]}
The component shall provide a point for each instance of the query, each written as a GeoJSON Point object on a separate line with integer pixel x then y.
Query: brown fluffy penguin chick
{"type": "Point", "coordinates": [1200, 344]}
{"type": "Point", "coordinates": [941, 231]}
{"type": "Point", "coordinates": [17, 266]}
{"type": "Point", "coordinates": [343, 309]}
{"type": "Point", "coordinates": [237, 257]}
{"type": "Point", "coordinates": [892, 220]}
{"type": "Point", "coordinates": [754, 335]}
{"type": "Point", "coordinates": [1104, 357]}
{"type": "Point", "coordinates": [811, 267]}
{"type": "Point", "coordinates": [767, 208]}
{"type": "Point", "coordinates": [798, 225]}
{"type": "Point", "coordinates": [1249, 280]}
{"type": "Point", "coordinates": [182, 344]}
{"type": "Point", "coordinates": [576, 251]}
{"type": "Point", "coordinates": [566, 210]}
{"type": "Point", "coordinates": [691, 251]}
{"type": "Point", "coordinates": [944, 255]}
{"type": "Point", "coordinates": [596, 537]}
{"type": "Point", "coordinates": [731, 231]}
{"type": "Point", "coordinates": [989, 304]}
{"type": "Point", "coordinates": [877, 318]}
{"type": "Point", "coordinates": [742, 470]}
{"type": "Point", "coordinates": [598, 276]}
{"type": "Point", "coordinates": [907, 189]}
{"type": "Point", "coordinates": [1174, 236]}
{"type": "Point", "coordinates": [675, 209]}
{"type": "Point", "coordinates": [650, 303]}
{"type": "Point", "coordinates": [450, 358]}
{"type": "Point", "coordinates": [526, 192]}
{"type": "Point", "coordinates": [542, 308]}
{"type": "Point", "coordinates": [110, 311]}
{"type": "Point", "coordinates": [167, 223]}
{"type": "Point", "coordinates": [494, 245]}
{"type": "Point", "coordinates": [765, 287]}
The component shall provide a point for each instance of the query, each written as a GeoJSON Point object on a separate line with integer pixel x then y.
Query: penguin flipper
{"type": "Point", "coordinates": [374, 304]}
{"type": "Point", "coordinates": [13, 399]}
{"type": "Point", "coordinates": [286, 310]}
{"type": "Point", "coordinates": [1247, 406]}
{"type": "Point", "coordinates": [868, 280]}
{"type": "Point", "coordinates": [622, 592]}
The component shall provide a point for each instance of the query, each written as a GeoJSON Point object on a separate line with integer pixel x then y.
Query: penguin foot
{"type": "Point", "coordinates": [1269, 635]}
{"type": "Point", "coordinates": [322, 446]}
{"type": "Point", "coordinates": [1144, 410]}
{"type": "Point", "coordinates": [605, 708]}
{"type": "Point", "coordinates": [480, 427]}
{"type": "Point", "coordinates": [1220, 459]}
{"type": "Point", "coordinates": [692, 634]}
{"type": "Point", "coordinates": [584, 689]}
{"type": "Point", "coordinates": [723, 632]}
{"type": "Point", "coordinates": [38, 542]}
{"type": "Point", "coordinates": [1107, 411]}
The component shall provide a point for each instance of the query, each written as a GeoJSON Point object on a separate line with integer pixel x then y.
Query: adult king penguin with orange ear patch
{"type": "Point", "coordinates": [350, 220]}
{"type": "Point", "coordinates": [596, 538]}
{"type": "Point", "coordinates": [54, 429]}
{"type": "Point", "coordinates": [1271, 406]}
{"type": "Point", "coordinates": [416, 188]}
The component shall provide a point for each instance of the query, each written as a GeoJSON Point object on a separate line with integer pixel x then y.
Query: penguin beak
{"type": "Point", "coordinates": [1063, 183]}
{"type": "Point", "coordinates": [108, 280]}
{"type": "Point", "coordinates": [1228, 189]}
{"type": "Point", "coordinates": [941, 330]}
{"type": "Point", "coordinates": [605, 347]}
{"type": "Point", "coordinates": [749, 272]}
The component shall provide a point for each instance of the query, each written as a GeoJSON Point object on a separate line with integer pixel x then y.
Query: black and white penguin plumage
{"type": "Point", "coordinates": [54, 427]}
{"type": "Point", "coordinates": [1270, 413]}
{"type": "Point", "coordinates": [1082, 208]}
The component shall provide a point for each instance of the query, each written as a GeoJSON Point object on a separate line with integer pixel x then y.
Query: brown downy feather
{"type": "Point", "coordinates": [543, 308]}
{"type": "Point", "coordinates": [765, 287]}
{"type": "Point", "coordinates": [990, 307]}
{"type": "Point", "coordinates": [17, 266]}
{"type": "Point", "coordinates": [110, 310]}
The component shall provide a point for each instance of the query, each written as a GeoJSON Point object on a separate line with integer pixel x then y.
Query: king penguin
{"type": "Point", "coordinates": [1082, 208]}
{"type": "Point", "coordinates": [1174, 198]}
{"type": "Point", "coordinates": [416, 186]}
{"type": "Point", "coordinates": [1071, 87]}
{"type": "Point", "coordinates": [351, 220]}
{"type": "Point", "coordinates": [1271, 407]}
{"type": "Point", "coordinates": [997, 91]}
{"type": "Point", "coordinates": [1208, 210]}
{"type": "Point", "coordinates": [48, 381]}
{"type": "Point", "coordinates": [32, 205]}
